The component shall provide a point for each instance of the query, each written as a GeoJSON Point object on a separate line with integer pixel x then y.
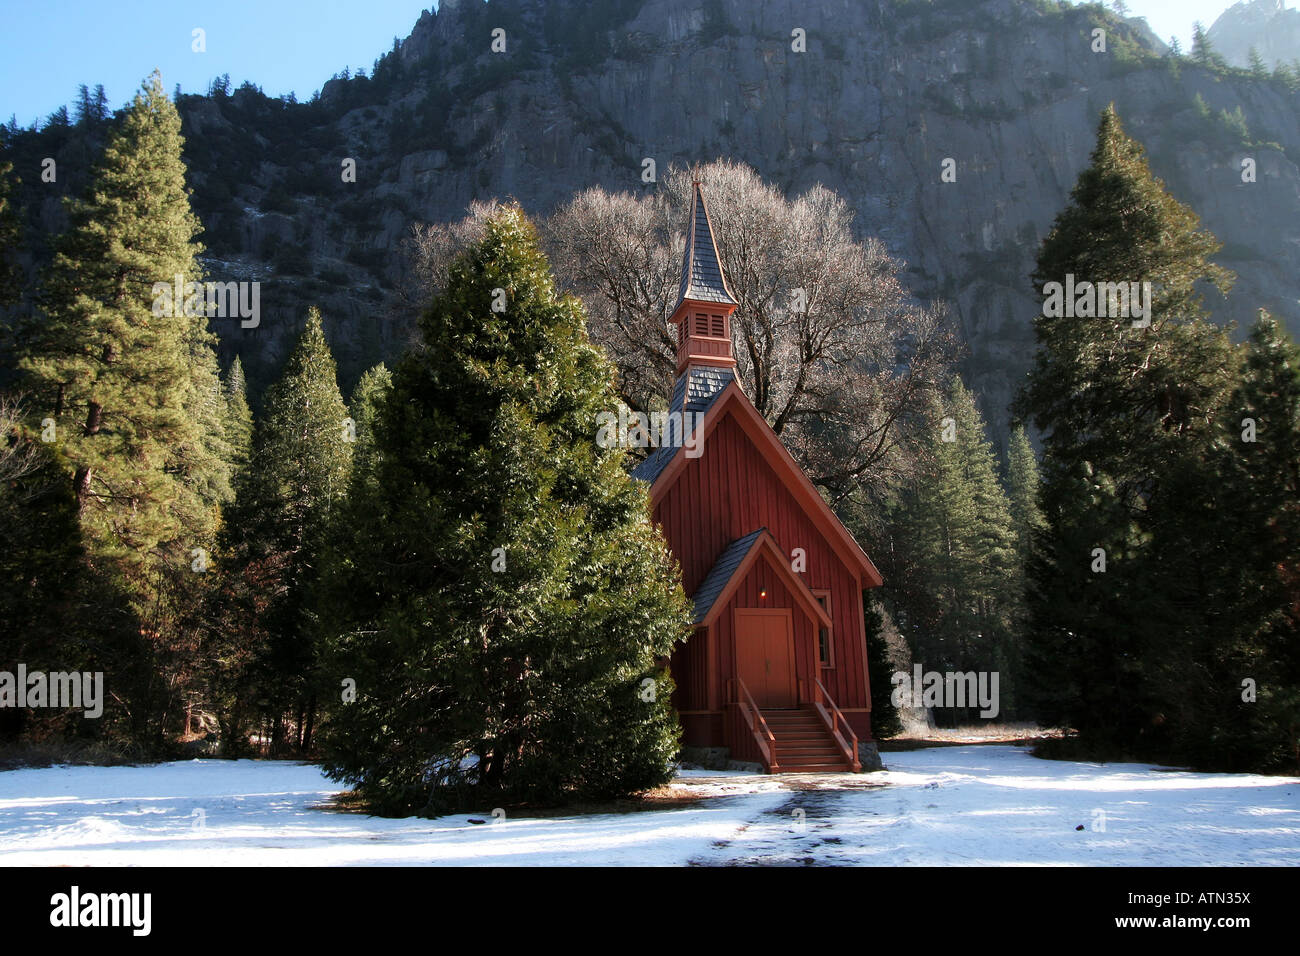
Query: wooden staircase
{"type": "Point", "coordinates": [803, 742]}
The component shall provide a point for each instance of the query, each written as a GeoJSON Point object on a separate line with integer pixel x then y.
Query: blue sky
{"type": "Point", "coordinates": [1169, 17]}
{"type": "Point", "coordinates": [48, 48]}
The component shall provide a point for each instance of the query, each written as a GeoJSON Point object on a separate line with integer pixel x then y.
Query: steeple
{"type": "Point", "coordinates": [705, 303]}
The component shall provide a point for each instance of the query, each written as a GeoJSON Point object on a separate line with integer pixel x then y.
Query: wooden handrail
{"type": "Point", "coordinates": [757, 725]}
{"type": "Point", "coordinates": [834, 720]}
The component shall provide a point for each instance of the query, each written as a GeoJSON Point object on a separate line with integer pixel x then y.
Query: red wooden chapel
{"type": "Point", "coordinates": [776, 669]}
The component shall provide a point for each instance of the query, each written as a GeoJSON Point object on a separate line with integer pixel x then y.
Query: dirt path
{"type": "Point", "coordinates": [800, 831]}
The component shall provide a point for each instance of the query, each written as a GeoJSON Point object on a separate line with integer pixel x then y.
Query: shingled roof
{"type": "Point", "coordinates": [696, 390]}
{"type": "Point", "coordinates": [716, 580]}
{"type": "Point", "coordinates": [702, 277]}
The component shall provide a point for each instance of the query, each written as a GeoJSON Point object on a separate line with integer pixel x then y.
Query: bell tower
{"type": "Point", "coordinates": [705, 303]}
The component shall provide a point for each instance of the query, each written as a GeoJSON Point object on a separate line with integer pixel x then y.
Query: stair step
{"type": "Point", "coordinates": [784, 758]}
{"type": "Point", "coordinates": [803, 744]}
{"type": "Point", "coordinates": [814, 768]}
{"type": "Point", "coordinates": [797, 728]}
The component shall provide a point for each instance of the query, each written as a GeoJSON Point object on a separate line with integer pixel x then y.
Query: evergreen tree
{"type": "Point", "coordinates": [1257, 66]}
{"type": "Point", "coordinates": [1124, 408]}
{"type": "Point", "coordinates": [1227, 680]}
{"type": "Point", "coordinates": [367, 398]}
{"type": "Point", "coordinates": [10, 274]}
{"type": "Point", "coordinates": [1022, 490]}
{"type": "Point", "coordinates": [885, 722]}
{"type": "Point", "coordinates": [92, 108]}
{"type": "Point", "coordinates": [130, 380]}
{"type": "Point", "coordinates": [130, 389]}
{"type": "Point", "coordinates": [297, 478]}
{"type": "Point", "coordinates": [42, 622]}
{"type": "Point", "coordinates": [1257, 481]}
{"type": "Point", "coordinates": [505, 602]}
{"type": "Point", "coordinates": [1203, 51]}
{"type": "Point", "coordinates": [961, 537]}
{"type": "Point", "coordinates": [238, 416]}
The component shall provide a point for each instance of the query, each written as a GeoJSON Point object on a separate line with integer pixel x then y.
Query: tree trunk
{"type": "Point", "coordinates": [310, 724]}
{"type": "Point", "coordinates": [81, 479]}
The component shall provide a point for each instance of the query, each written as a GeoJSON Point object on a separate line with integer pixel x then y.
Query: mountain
{"type": "Point", "coordinates": [1264, 26]}
{"type": "Point", "coordinates": [886, 91]}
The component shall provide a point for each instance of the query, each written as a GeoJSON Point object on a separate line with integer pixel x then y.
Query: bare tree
{"type": "Point", "coordinates": [828, 347]}
{"type": "Point", "coordinates": [428, 250]}
{"type": "Point", "coordinates": [20, 455]}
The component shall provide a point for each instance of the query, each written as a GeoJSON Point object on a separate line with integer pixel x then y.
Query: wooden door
{"type": "Point", "coordinates": [765, 656]}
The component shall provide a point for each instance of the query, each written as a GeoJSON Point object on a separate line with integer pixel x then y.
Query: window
{"type": "Point", "coordinates": [825, 644]}
{"type": "Point", "coordinates": [717, 330]}
{"type": "Point", "coordinates": [701, 324]}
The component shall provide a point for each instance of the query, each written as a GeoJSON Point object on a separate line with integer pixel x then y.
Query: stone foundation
{"type": "Point", "coordinates": [869, 754]}
{"type": "Point", "coordinates": [706, 758]}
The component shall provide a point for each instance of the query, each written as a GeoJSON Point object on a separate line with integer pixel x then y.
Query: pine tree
{"type": "Point", "coordinates": [1022, 490]}
{"type": "Point", "coordinates": [506, 603]}
{"type": "Point", "coordinates": [41, 622]}
{"type": "Point", "coordinates": [1203, 51]}
{"type": "Point", "coordinates": [132, 391]}
{"type": "Point", "coordinates": [1228, 678]}
{"type": "Point", "coordinates": [367, 398]}
{"type": "Point", "coordinates": [1257, 66]}
{"type": "Point", "coordinates": [885, 721]}
{"type": "Point", "coordinates": [10, 274]}
{"type": "Point", "coordinates": [291, 492]}
{"type": "Point", "coordinates": [130, 380]}
{"type": "Point", "coordinates": [1257, 479]}
{"type": "Point", "coordinates": [1123, 409]}
{"type": "Point", "coordinates": [238, 416]}
{"type": "Point", "coordinates": [961, 537]}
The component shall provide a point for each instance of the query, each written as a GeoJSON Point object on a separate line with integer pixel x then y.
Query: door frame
{"type": "Point", "coordinates": [781, 612]}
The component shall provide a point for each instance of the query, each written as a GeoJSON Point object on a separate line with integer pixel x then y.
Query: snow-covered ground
{"type": "Point", "coordinates": [950, 805]}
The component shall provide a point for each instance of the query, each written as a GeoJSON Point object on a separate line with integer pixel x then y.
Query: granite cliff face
{"type": "Point", "coordinates": [1265, 26]}
{"type": "Point", "coordinates": [1010, 90]}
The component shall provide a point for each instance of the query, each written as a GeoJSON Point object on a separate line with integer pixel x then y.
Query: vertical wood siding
{"type": "Point", "coordinates": [726, 493]}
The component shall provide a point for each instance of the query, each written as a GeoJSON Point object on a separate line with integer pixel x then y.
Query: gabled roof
{"type": "Point", "coordinates": [702, 277]}
{"type": "Point", "coordinates": [721, 573]}
{"type": "Point", "coordinates": [734, 563]}
{"type": "Point", "coordinates": [662, 468]}
{"type": "Point", "coordinates": [696, 390]}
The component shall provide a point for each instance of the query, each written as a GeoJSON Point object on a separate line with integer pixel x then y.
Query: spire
{"type": "Point", "coordinates": [702, 278]}
{"type": "Point", "coordinates": [705, 303]}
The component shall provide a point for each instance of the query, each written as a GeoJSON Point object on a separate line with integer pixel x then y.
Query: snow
{"type": "Point", "coordinates": [986, 805]}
